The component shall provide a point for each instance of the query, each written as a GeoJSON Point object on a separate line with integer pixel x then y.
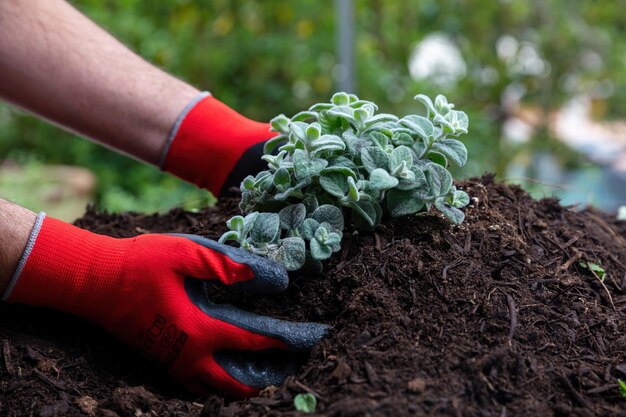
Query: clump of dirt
{"type": "Point", "coordinates": [494, 317]}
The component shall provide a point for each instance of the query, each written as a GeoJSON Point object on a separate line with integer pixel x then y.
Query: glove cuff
{"type": "Point", "coordinates": [27, 251]}
{"type": "Point", "coordinates": [176, 127]}
{"type": "Point", "coordinates": [207, 141]}
{"type": "Point", "coordinates": [68, 268]}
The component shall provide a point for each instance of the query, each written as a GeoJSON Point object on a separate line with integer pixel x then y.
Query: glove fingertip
{"type": "Point", "coordinates": [269, 277]}
{"type": "Point", "coordinates": [308, 335]}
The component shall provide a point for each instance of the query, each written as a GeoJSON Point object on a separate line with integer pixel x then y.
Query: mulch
{"type": "Point", "coordinates": [495, 317]}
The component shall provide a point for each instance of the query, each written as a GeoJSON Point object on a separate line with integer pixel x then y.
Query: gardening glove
{"type": "Point", "coordinates": [149, 292]}
{"type": "Point", "coordinates": [213, 146]}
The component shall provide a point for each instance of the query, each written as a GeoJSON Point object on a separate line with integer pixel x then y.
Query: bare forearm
{"type": "Point", "coordinates": [57, 63]}
{"type": "Point", "coordinates": [16, 224]}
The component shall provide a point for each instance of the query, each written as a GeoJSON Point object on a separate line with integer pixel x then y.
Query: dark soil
{"type": "Point", "coordinates": [492, 318]}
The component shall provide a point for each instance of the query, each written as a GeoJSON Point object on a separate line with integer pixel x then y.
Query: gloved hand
{"type": "Point", "coordinates": [213, 146]}
{"type": "Point", "coordinates": [149, 292]}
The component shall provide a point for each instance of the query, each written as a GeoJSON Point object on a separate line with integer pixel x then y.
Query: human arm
{"type": "Point", "coordinates": [149, 291]}
{"type": "Point", "coordinates": [60, 65]}
{"type": "Point", "coordinates": [16, 224]}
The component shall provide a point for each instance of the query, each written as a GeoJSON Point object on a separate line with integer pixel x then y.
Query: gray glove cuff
{"type": "Point", "coordinates": [179, 121]}
{"type": "Point", "coordinates": [29, 248]}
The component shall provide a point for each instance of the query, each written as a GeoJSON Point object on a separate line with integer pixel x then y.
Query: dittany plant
{"type": "Point", "coordinates": [343, 159]}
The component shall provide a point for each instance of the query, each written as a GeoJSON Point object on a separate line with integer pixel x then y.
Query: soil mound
{"type": "Point", "coordinates": [495, 317]}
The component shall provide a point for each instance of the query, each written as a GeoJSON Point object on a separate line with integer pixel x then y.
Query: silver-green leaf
{"type": "Point", "coordinates": [306, 167]}
{"type": "Point", "coordinates": [373, 158]}
{"type": "Point", "coordinates": [453, 149]}
{"type": "Point", "coordinates": [381, 180]}
{"type": "Point", "coordinates": [329, 214]}
{"type": "Point", "coordinates": [291, 253]}
{"type": "Point", "coordinates": [292, 216]}
{"type": "Point", "coordinates": [402, 203]}
{"type": "Point", "coordinates": [455, 215]}
{"type": "Point", "coordinates": [266, 228]}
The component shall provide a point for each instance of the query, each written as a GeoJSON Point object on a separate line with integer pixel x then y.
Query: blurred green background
{"type": "Point", "coordinates": [492, 58]}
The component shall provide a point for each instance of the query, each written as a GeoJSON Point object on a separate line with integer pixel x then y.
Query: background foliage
{"type": "Point", "coordinates": [267, 57]}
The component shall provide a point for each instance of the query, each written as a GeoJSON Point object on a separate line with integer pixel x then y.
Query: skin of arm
{"type": "Point", "coordinates": [58, 64]}
{"type": "Point", "coordinates": [16, 224]}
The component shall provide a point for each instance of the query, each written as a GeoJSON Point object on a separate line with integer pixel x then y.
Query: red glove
{"type": "Point", "coordinates": [149, 292]}
{"type": "Point", "coordinates": [213, 146]}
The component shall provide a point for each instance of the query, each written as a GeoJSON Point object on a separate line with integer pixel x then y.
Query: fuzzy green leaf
{"type": "Point", "coordinates": [401, 203]}
{"type": "Point", "coordinates": [380, 118]}
{"type": "Point", "coordinates": [247, 183]}
{"type": "Point", "coordinates": [310, 203]}
{"type": "Point", "coordinates": [327, 143]}
{"type": "Point", "coordinates": [280, 124]}
{"type": "Point", "coordinates": [313, 131]}
{"type": "Point", "coordinates": [366, 210]}
{"type": "Point", "coordinates": [303, 116]}
{"type": "Point", "coordinates": [291, 253]}
{"type": "Point", "coordinates": [273, 143]}
{"type": "Point", "coordinates": [344, 154]}
{"type": "Point", "coordinates": [381, 180]}
{"type": "Point", "coordinates": [453, 149]}
{"type": "Point", "coordinates": [346, 172]}
{"type": "Point", "coordinates": [266, 229]}
{"type": "Point", "coordinates": [459, 121]}
{"type": "Point", "coordinates": [298, 131]}
{"type": "Point", "coordinates": [335, 183]}
{"type": "Point", "coordinates": [419, 125]}
{"type": "Point", "coordinates": [343, 112]}
{"type": "Point", "coordinates": [275, 161]}
{"type": "Point", "coordinates": [441, 104]}
{"type": "Point", "coordinates": [353, 190]}
{"type": "Point", "coordinates": [341, 161]}
{"type": "Point", "coordinates": [410, 182]}
{"type": "Point", "coordinates": [360, 103]}
{"type": "Point", "coordinates": [438, 158]}
{"type": "Point", "coordinates": [230, 235]}
{"type": "Point", "coordinates": [374, 158]}
{"type": "Point", "coordinates": [236, 223]}
{"type": "Point", "coordinates": [398, 156]}
{"type": "Point", "coordinates": [439, 179]}
{"type": "Point", "coordinates": [455, 215]}
{"type": "Point", "coordinates": [306, 167]}
{"type": "Point", "coordinates": [427, 102]}
{"type": "Point", "coordinates": [443, 123]}
{"type": "Point", "coordinates": [292, 216]}
{"type": "Point", "coordinates": [340, 99]}
{"type": "Point", "coordinates": [329, 214]}
{"type": "Point", "coordinates": [282, 179]}
{"type": "Point", "coordinates": [322, 232]}
{"type": "Point", "coordinates": [354, 144]}
{"type": "Point", "coordinates": [333, 240]}
{"type": "Point", "coordinates": [328, 122]}
{"type": "Point", "coordinates": [248, 222]}
{"type": "Point", "coordinates": [380, 139]}
{"type": "Point", "coordinates": [309, 227]}
{"type": "Point", "coordinates": [460, 199]}
{"type": "Point", "coordinates": [319, 107]}
{"type": "Point", "coordinates": [282, 196]}
{"type": "Point", "coordinates": [320, 251]}
{"type": "Point", "coordinates": [402, 139]}
{"type": "Point", "coordinates": [361, 115]}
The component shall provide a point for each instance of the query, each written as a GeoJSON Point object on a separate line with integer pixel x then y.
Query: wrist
{"type": "Point", "coordinates": [16, 224]}
{"type": "Point", "coordinates": [208, 141]}
{"type": "Point", "coordinates": [69, 269]}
